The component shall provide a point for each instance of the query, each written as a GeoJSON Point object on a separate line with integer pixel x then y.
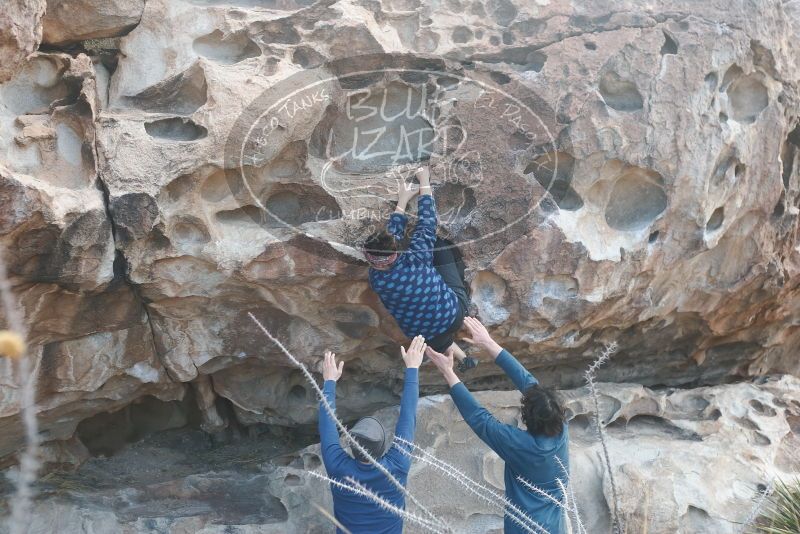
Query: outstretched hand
{"type": "Point", "coordinates": [444, 363]}
{"type": "Point", "coordinates": [413, 356]}
{"type": "Point", "coordinates": [331, 371]}
{"type": "Point", "coordinates": [405, 192]}
{"type": "Point", "coordinates": [480, 336]}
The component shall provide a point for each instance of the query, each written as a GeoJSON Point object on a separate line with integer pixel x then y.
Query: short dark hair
{"type": "Point", "coordinates": [542, 412]}
{"type": "Point", "coordinates": [380, 243]}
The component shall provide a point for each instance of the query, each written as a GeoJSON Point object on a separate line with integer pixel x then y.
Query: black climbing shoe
{"type": "Point", "coordinates": [467, 363]}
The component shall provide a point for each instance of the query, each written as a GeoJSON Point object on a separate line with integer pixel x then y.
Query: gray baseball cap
{"type": "Point", "coordinates": [371, 435]}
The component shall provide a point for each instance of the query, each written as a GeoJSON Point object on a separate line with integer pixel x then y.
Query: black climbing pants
{"type": "Point", "coordinates": [448, 262]}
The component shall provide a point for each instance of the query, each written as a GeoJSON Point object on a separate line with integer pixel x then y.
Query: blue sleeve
{"type": "Point", "coordinates": [498, 436]}
{"type": "Point", "coordinates": [397, 225]}
{"type": "Point", "coordinates": [515, 371]}
{"type": "Point", "coordinates": [407, 422]}
{"type": "Point", "coordinates": [425, 232]}
{"type": "Point", "coordinates": [333, 456]}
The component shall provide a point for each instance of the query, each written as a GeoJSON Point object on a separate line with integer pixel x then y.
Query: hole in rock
{"type": "Point", "coordinates": [761, 439]}
{"type": "Point", "coordinates": [637, 199]}
{"type": "Point", "coordinates": [508, 38]}
{"type": "Point", "coordinates": [355, 321]}
{"type": "Point", "coordinates": [226, 49]}
{"type": "Point", "coordinates": [447, 82]}
{"type": "Point", "coordinates": [36, 86]}
{"type": "Point", "coordinates": [780, 207]}
{"type": "Point", "coordinates": [733, 72]}
{"type": "Point", "coordinates": [725, 161]}
{"type": "Point", "coordinates": [297, 393]}
{"type": "Point", "coordinates": [653, 237]}
{"type": "Point", "coordinates": [290, 162]}
{"type": "Point", "coordinates": [716, 219]}
{"type": "Point", "coordinates": [738, 170]}
{"type": "Point", "coordinates": [307, 57]}
{"type": "Point", "coordinates": [619, 94]}
{"type": "Point", "coordinates": [182, 94]}
{"type": "Point", "coordinates": [380, 127]}
{"type": "Point", "coordinates": [652, 425]}
{"type": "Point", "coordinates": [500, 78]}
{"type": "Point", "coordinates": [244, 217]}
{"type": "Point", "coordinates": [107, 433]}
{"type": "Point", "coordinates": [276, 32]}
{"type": "Point", "coordinates": [711, 80]}
{"type": "Point", "coordinates": [180, 186]}
{"type": "Point", "coordinates": [311, 462]}
{"type": "Point", "coordinates": [281, 5]}
{"type": "Point", "coordinates": [218, 187]}
{"type": "Point", "coordinates": [696, 517]}
{"type": "Point", "coordinates": [554, 172]}
{"type": "Point", "coordinates": [292, 480]}
{"type": "Point", "coordinates": [590, 45]}
{"type": "Point", "coordinates": [789, 151]}
{"type": "Point", "coordinates": [714, 415]}
{"type": "Point", "coordinates": [190, 231]}
{"type": "Point", "coordinates": [505, 12]}
{"type": "Point", "coordinates": [526, 58]}
{"type": "Point", "coordinates": [762, 408]}
{"type": "Point", "coordinates": [723, 117]}
{"type": "Point", "coordinates": [747, 423]}
{"type": "Point", "coordinates": [175, 129]}
{"type": "Point", "coordinates": [300, 204]}
{"type": "Point", "coordinates": [669, 46]}
{"type": "Point", "coordinates": [748, 97]}
{"type": "Point", "coordinates": [461, 34]}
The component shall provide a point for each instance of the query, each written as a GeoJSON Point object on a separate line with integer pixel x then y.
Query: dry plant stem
{"type": "Point", "coordinates": [590, 377]}
{"type": "Point", "coordinates": [351, 485]}
{"type": "Point", "coordinates": [344, 430]}
{"type": "Point", "coordinates": [474, 487]}
{"type": "Point", "coordinates": [757, 506]}
{"type": "Point", "coordinates": [21, 503]}
{"type": "Point", "coordinates": [332, 519]}
{"type": "Point", "coordinates": [576, 513]}
{"type": "Point", "coordinates": [539, 491]}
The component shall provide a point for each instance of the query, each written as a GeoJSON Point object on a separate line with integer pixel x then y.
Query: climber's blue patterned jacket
{"type": "Point", "coordinates": [412, 290]}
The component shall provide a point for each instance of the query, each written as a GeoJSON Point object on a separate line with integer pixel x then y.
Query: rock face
{"type": "Point", "coordinates": [687, 461]}
{"type": "Point", "coordinates": [20, 34]}
{"type": "Point", "coordinates": [612, 172]}
{"type": "Point", "coordinates": [68, 22]}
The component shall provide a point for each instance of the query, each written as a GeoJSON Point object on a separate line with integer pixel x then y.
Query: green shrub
{"type": "Point", "coordinates": [781, 512]}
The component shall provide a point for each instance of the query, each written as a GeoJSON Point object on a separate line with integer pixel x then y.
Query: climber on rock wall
{"type": "Point", "coordinates": [422, 287]}
{"type": "Point", "coordinates": [357, 513]}
{"type": "Point", "coordinates": [539, 454]}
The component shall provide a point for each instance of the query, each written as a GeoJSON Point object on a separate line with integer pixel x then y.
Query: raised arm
{"type": "Point", "coordinates": [494, 433]}
{"type": "Point", "coordinates": [521, 377]}
{"type": "Point", "coordinates": [497, 435]}
{"type": "Point", "coordinates": [398, 220]}
{"type": "Point", "coordinates": [516, 372]}
{"type": "Point", "coordinates": [424, 236]}
{"type": "Point", "coordinates": [407, 421]}
{"type": "Point", "coordinates": [333, 456]}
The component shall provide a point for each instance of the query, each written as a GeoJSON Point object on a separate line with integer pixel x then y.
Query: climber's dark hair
{"type": "Point", "coordinates": [542, 412]}
{"type": "Point", "coordinates": [380, 243]}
